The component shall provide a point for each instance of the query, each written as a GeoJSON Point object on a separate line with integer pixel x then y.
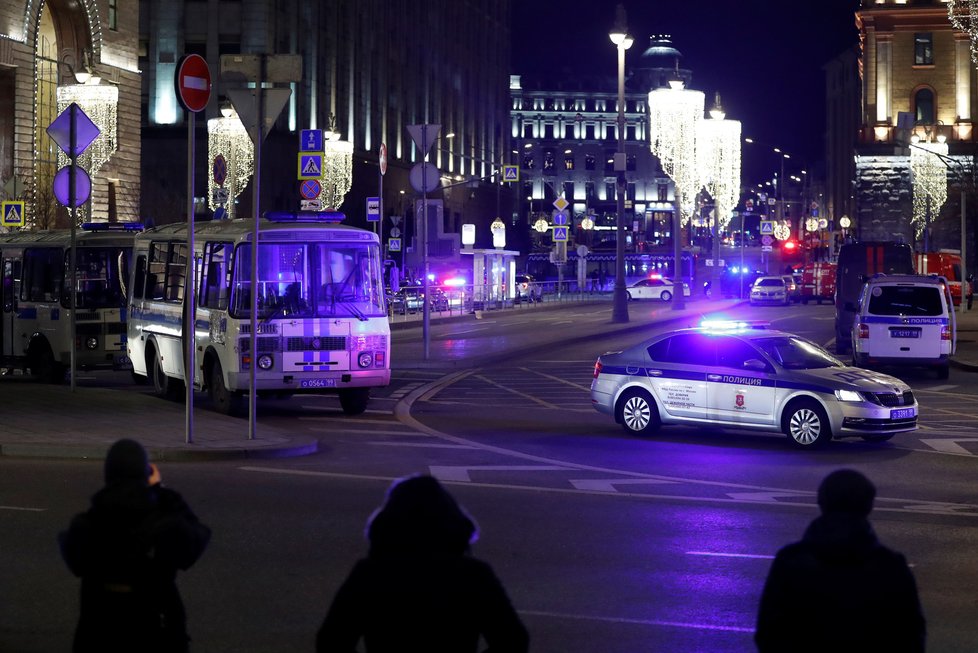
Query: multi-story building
{"type": "Point", "coordinates": [46, 50]}
{"type": "Point", "coordinates": [566, 134]}
{"type": "Point", "coordinates": [918, 82]}
{"type": "Point", "coordinates": [371, 68]}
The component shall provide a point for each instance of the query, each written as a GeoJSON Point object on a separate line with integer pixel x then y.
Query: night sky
{"type": "Point", "coordinates": [765, 57]}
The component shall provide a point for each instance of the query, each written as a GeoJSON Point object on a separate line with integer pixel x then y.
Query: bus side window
{"type": "Point", "coordinates": [139, 278]}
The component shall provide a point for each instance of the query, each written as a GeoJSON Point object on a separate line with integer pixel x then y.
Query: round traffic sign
{"type": "Point", "coordinates": [193, 82]}
{"type": "Point", "coordinates": [383, 158]}
{"type": "Point", "coordinates": [766, 240]}
{"type": "Point", "coordinates": [83, 186]}
{"type": "Point", "coordinates": [424, 177]}
{"type": "Point", "coordinates": [309, 189]}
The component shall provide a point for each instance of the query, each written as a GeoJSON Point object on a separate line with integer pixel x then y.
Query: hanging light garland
{"type": "Point", "coordinates": [964, 16]}
{"type": "Point", "coordinates": [674, 113]}
{"type": "Point", "coordinates": [337, 168]}
{"type": "Point", "coordinates": [718, 157]}
{"type": "Point", "coordinates": [928, 175]}
{"type": "Point", "coordinates": [228, 138]}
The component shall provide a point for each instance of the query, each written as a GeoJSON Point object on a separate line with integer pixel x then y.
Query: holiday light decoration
{"type": "Point", "coordinates": [964, 16]}
{"type": "Point", "coordinates": [674, 114]}
{"type": "Point", "coordinates": [228, 138]}
{"type": "Point", "coordinates": [337, 168]}
{"type": "Point", "coordinates": [928, 175]}
{"type": "Point", "coordinates": [100, 102]}
{"type": "Point", "coordinates": [718, 157]}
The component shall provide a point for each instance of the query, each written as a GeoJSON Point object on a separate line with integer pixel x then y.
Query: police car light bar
{"type": "Point", "coordinates": [732, 325]}
{"type": "Point", "coordinates": [305, 216]}
{"type": "Point", "coordinates": [112, 226]}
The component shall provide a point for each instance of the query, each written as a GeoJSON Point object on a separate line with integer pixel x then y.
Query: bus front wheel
{"type": "Point", "coordinates": [354, 400]}
{"type": "Point", "coordinates": [43, 366]}
{"type": "Point", "coordinates": [225, 401]}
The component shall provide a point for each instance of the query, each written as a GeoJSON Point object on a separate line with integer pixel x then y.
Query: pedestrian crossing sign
{"type": "Point", "coordinates": [12, 214]}
{"type": "Point", "coordinates": [393, 244]}
{"type": "Point", "coordinates": [560, 234]}
{"type": "Point", "coordinates": [511, 173]}
{"type": "Point", "coordinates": [767, 227]}
{"type": "Point", "coordinates": [310, 165]}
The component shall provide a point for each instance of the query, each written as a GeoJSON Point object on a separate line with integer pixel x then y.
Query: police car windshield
{"type": "Point", "coordinates": [795, 353]}
{"type": "Point", "coordinates": [905, 300]}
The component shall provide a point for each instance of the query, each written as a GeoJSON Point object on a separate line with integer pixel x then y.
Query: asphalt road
{"type": "Point", "coordinates": [606, 542]}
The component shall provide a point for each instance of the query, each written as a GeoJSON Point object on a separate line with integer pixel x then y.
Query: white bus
{"type": "Point", "coordinates": [35, 323]}
{"type": "Point", "coordinates": [322, 317]}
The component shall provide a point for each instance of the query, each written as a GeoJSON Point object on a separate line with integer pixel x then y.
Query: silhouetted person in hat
{"type": "Point", "coordinates": [127, 549]}
{"type": "Point", "coordinates": [418, 589]}
{"type": "Point", "coordinates": [838, 589]}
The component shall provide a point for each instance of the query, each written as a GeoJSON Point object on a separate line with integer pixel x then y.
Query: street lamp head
{"type": "Point", "coordinates": [717, 112]}
{"type": "Point", "coordinates": [619, 33]}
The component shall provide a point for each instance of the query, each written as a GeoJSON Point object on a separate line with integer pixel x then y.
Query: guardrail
{"type": "Point", "coordinates": [462, 300]}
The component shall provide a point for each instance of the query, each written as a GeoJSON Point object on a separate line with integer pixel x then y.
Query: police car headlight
{"type": "Point", "coordinates": [848, 395]}
{"type": "Point", "coordinates": [365, 359]}
{"type": "Point", "coordinates": [91, 342]}
{"type": "Point", "coordinates": [265, 362]}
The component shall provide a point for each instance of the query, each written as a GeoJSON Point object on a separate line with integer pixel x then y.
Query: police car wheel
{"type": "Point", "coordinates": [637, 413]}
{"type": "Point", "coordinates": [806, 424]}
{"type": "Point", "coordinates": [665, 296]}
{"type": "Point", "coordinates": [630, 298]}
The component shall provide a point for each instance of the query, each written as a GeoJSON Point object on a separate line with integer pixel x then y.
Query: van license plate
{"type": "Point", "coordinates": [902, 413]}
{"type": "Point", "coordinates": [317, 383]}
{"type": "Point", "coordinates": [904, 333]}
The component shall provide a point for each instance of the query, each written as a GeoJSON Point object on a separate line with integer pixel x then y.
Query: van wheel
{"type": "Point", "coordinates": [637, 414]}
{"type": "Point", "coordinates": [225, 401]}
{"type": "Point", "coordinates": [163, 385]}
{"type": "Point", "coordinates": [354, 401]}
{"type": "Point", "coordinates": [944, 371]}
{"type": "Point", "coordinates": [43, 366]}
{"type": "Point", "coordinates": [806, 424]}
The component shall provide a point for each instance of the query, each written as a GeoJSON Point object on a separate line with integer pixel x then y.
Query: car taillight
{"type": "Point", "coordinates": [863, 330]}
{"type": "Point", "coordinates": [945, 332]}
{"type": "Point", "coordinates": [597, 369]}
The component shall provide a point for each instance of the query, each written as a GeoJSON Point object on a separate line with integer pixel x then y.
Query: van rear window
{"type": "Point", "coordinates": [905, 300]}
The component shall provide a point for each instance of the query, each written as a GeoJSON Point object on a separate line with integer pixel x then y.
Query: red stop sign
{"type": "Point", "coordinates": [193, 82]}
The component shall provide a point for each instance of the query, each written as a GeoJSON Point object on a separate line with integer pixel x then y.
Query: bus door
{"type": "Point", "coordinates": [10, 283]}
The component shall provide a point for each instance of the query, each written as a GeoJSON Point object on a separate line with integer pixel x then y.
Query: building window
{"type": "Point", "coordinates": [663, 192]}
{"type": "Point", "coordinates": [609, 191]}
{"type": "Point", "coordinates": [609, 162]}
{"type": "Point", "coordinates": [568, 162]}
{"type": "Point", "coordinates": [548, 130]}
{"type": "Point", "coordinates": [568, 190]}
{"type": "Point", "coordinates": [632, 191]}
{"type": "Point", "coordinates": [528, 160]}
{"type": "Point", "coordinates": [589, 162]}
{"type": "Point", "coordinates": [923, 101]}
{"type": "Point", "coordinates": [113, 15]}
{"type": "Point", "coordinates": [527, 130]}
{"type": "Point", "coordinates": [631, 162]}
{"type": "Point", "coordinates": [923, 49]}
{"type": "Point", "coordinates": [549, 162]}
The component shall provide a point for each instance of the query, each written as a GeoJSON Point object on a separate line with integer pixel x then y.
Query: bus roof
{"type": "Point", "coordinates": [240, 230]}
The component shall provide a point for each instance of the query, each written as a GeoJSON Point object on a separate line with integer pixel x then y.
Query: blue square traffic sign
{"type": "Point", "coordinates": [311, 140]}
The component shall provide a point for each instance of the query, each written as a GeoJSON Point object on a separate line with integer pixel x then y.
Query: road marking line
{"type": "Point", "coordinates": [430, 445]}
{"type": "Point", "coordinates": [556, 378]}
{"type": "Point", "coordinates": [608, 484]}
{"type": "Point", "coordinates": [730, 555]}
{"type": "Point", "coordinates": [22, 509]}
{"type": "Point", "coordinates": [766, 497]}
{"type": "Point", "coordinates": [941, 388]}
{"type": "Point", "coordinates": [949, 445]}
{"type": "Point", "coordinates": [460, 473]}
{"type": "Point", "coordinates": [515, 392]}
{"type": "Point", "coordinates": [638, 622]}
{"type": "Point", "coordinates": [481, 328]}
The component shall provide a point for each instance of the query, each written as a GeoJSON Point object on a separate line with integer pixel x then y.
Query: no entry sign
{"type": "Point", "coordinates": [193, 82]}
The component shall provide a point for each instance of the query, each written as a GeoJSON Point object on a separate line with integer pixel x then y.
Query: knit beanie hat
{"type": "Point", "coordinates": [846, 491]}
{"type": "Point", "coordinates": [126, 460]}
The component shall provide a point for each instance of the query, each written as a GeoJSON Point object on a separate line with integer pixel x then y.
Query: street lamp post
{"type": "Point", "coordinates": [619, 36]}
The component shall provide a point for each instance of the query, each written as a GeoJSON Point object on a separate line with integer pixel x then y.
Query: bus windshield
{"type": "Point", "coordinates": [320, 279]}
{"type": "Point", "coordinates": [99, 270]}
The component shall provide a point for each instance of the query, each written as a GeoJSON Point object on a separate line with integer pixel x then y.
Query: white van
{"type": "Point", "coordinates": [904, 319]}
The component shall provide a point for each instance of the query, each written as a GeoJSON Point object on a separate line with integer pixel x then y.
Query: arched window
{"type": "Point", "coordinates": [923, 101]}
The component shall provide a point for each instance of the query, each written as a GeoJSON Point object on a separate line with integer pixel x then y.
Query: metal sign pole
{"type": "Point", "coordinates": [426, 314]}
{"type": "Point", "coordinates": [189, 327]}
{"type": "Point", "coordinates": [252, 374]}
{"type": "Point", "coordinates": [73, 257]}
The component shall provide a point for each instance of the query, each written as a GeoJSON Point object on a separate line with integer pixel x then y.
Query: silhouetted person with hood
{"type": "Point", "coordinates": [838, 589]}
{"type": "Point", "coordinates": [418, 589]}
{"type": "Point", "coordinates": [127, 549]}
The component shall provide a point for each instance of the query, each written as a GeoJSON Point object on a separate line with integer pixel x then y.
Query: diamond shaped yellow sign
{"type": "Point", "coordinates": [561, 203]}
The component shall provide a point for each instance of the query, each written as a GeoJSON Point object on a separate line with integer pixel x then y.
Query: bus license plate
{"type": "Point", "coordinates": [904, 333]}
{"type": "Point", "coordinates": [317, 383]}
{"type": "Point", "coordinates": [902, 413]}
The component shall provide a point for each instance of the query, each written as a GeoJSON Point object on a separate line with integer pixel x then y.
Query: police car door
{"type": "Point", "coordinates": [741, 389]}
{"type": "Point", "coordinates": [677, 374]}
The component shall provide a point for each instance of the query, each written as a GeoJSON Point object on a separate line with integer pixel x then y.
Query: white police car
{"type": "Point", "coordinates": [738, 375]}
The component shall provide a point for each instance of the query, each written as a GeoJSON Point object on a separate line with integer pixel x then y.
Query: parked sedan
{"type": "Point", "coordinates": [769, 290]}
{"type": "Point", "coordinates": [655, 288]}
{"type": "Point", "coordinates": [740, 376]}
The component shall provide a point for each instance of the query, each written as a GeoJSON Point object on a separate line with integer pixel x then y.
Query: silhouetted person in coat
{"type": "Point", "coordinates": [127, 549]}
{"type": "Point", "coordinates": [418, 589]}
{"type": "Point", "coordinates": [838, 589]}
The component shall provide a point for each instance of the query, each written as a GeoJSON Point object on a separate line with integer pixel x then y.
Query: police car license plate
{"type": "Point", "coordinates": [317, 383]}
{"type": "Point", "coordinates": [904, 333]}
{"type": "Point", "coordinates": [902, 413]}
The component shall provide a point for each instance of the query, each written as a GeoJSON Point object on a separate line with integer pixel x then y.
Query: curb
{"type": "Point", "coordinates": [304, 447]}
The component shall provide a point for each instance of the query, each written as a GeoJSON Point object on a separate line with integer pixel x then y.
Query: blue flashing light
{"type": "Point", "coordinates": [305, 216]}
{"type": "Point", "coordinates": [726, 326]}
{"type": "Point", "coordinates": [112, 226]}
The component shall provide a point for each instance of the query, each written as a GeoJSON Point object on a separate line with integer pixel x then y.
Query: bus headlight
{"type": "Point", "coordinates": [265, 362]}
{"type": "Point", "coordinates": [91, 342]}
{"type": "Point", "coordinates": [365, 359]}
